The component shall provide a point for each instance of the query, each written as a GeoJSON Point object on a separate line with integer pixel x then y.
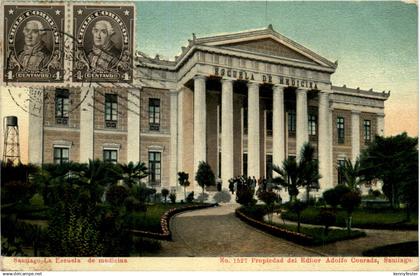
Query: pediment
{"type": "Point", "coordinates": [268, 46]}
{"type": "Point", "coordinates": [266, 42]}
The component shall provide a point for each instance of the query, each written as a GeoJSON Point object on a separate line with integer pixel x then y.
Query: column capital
{"type": "Point", "coordinates": [302, 90]}
{"type": "Point", "coordinates": [279, 86]}
{"type": "Point", "coordinates": [173, 92]}
{"type": "Point", "coordinates": [382, 115]}
{"type": "Point", "coordinates": [200, 77]}
{"type": "Point", "coordinates": [356, 112]}
{"type": "Point", "coordinates": [253, 83]}
{"type": "Point", "coordinates": [222, 80]}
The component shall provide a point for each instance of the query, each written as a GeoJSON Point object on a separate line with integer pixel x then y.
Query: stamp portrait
{"type": "Point", "coordinates": [33, 43]}
{"type": "Point", "coordinates": [103, 43]}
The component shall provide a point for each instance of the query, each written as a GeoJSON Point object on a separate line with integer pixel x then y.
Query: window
{"type": "Point", "coordinates": [245, 121]}
{"type": "Point", "coordinates": [61, 155]}
{"type": "Point", "coordinates": [291, 119]}
{"type": "Point", "coordinates": [154, 167]}
{"type": "Point", "coordinates": [340, 129]}
{"type": "Point", "coordinates": [111, 106]}
{"type": "Point", "coordinates": [269, 122]}
{"type": "Point", "coordinates": [154, 114]}
{"type": "Point", "coordinates": [245, 164]}
{"type": "Point", "coordinates": [268, 167]}
{"type": "Point", "coordinates": [340, 176]}
{"type": "Point", "coordinates": [312, 125]}
{"type": "Point", "coordinates": [111, 156]}
{"type": "Point", "coordinates": [62, 106]}
{"type": "Point", "coordinates": [366, 131]}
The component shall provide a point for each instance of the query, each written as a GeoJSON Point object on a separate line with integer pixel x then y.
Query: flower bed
{"type": "Point", "coordinates": [165, 233]}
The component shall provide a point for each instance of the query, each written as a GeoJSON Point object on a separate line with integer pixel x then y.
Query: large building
{"type": "Point", "coordinates": [241, 101]}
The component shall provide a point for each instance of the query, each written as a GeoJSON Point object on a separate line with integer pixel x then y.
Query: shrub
{"type": "Point", "coordinates": [172, 197]}
{"type": "Point", "coordinates": [134, 205]}
{"type": "Point", "coordinates": [376, 193]}
{"type": "Point", "coordinates": [165, 193]}
{"type": "Point", "coordinates": [37, 200]}
{"type": "Point", "coordinates": [222, 197]}
{"type": "Point", "coordinates": [202, 197]}
{"type": "Point", "coordinates": [190, 197]}
{"type": "Point", "coordinates": [145, 245]}
{"type": "Point", "coordinates": [245, 196]}
{"type": "Point", "coordinates": [116, 195]}
{"type": "Point", "coordinates": [326, 218]}
{"type": "Point", "coordinates": [157, 198]}
{"type": "Point", "coordinates": [333, 196]}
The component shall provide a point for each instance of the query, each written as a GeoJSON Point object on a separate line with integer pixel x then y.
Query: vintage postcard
{"type": "Point", "coordinates": [221, 136]}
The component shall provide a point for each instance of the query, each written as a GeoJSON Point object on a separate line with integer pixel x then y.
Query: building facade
{"type": "Point", "coordinates": [240, 101]}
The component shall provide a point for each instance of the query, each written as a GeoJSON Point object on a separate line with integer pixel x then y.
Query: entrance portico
{"type": "Point", "coordinates": [294, 69]}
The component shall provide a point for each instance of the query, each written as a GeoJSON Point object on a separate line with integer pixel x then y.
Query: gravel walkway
{"type": "Point", "coordinates": [216, 231]}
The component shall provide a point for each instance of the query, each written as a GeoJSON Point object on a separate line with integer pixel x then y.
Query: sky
{"type": "Point", "coordinates": [375, 43]}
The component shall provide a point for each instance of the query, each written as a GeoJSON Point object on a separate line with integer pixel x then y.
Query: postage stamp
{"type": "Point", "coordinates": [103, 43]}
{"type": "Point", "coordinates": [33, 43]}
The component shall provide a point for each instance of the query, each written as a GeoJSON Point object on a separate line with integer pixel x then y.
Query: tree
{"type": "Point", "coordinates": [393, 160]}
{"type": "Point", "coordinates": [133, 172]}
{"type": "Point", "coordinates": [165, 193]}
{"type": "Point", "coordinates": [183, 181]}
{"type": "Point", "coordinates": [349, 201]}
{"type": "Point", "coordinates": [269, 198]}
{"type": "Point", "coordinates": [333, 196]}
{"type": "Point", "coordinates": [308, 169]}
{"type": "Point", "coordinates": [351, 174]}
{"type": "Point", "coordinates": [297, 207]}
{"type": "Point", "coordinates": [205, 176]}
{"type": "Point", "coordinates": [288, 177]}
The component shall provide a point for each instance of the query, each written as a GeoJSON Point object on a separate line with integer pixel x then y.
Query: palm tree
{"type": "Point", "coordinates": [308, 169]}
{"type": "Point", "coordinates": [351, 174]}
{"type": "Point", "coordinates": [133, 172]}
{"type": "Point", "coordinates": [288, 177]}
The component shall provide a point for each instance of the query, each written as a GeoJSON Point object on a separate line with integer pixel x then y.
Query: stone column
{"type": "Point", "coordinates": [380, 124]}
{"type": "Point", "coordinates": [278, 126]}
{"type": "Point", "coordinates": [332, 166]}
{"type": "Point", "coordinates": [324, 140]}
{"type": "Point", "coordinates": [36, 126]}
{"type": "Point", "coordinates": [199, 121]}
{"type": "Point", "coordinates": [355, 135]}
{"type": "Point", "coordinates": [253, 130]}
{"type": "Point", "coordinates": [173, 168]}
{"type": "Point", "coordinates": [301, 120]}
{"type": "Point", "coordinates": [86, 124]}
{"type": "Point", "coordinates": [227, 131]}
{"type": "Point", "coordinates": [133, 125]}
{"type": "Point", "coordinates": [180, 154]}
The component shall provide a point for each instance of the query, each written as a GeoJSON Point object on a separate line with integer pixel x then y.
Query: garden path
{"type": "Point", "coordinates": [216, 231]}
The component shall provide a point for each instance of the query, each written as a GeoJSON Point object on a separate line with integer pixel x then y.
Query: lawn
{"type": "Point", "coordinates": [316, 234]}
{"type": "Point", "coordinates": [409, 249]}
{"type": "Point", "coordinates": [362, 218]}
{"type": "Point", "coordinates": [150, 220]}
